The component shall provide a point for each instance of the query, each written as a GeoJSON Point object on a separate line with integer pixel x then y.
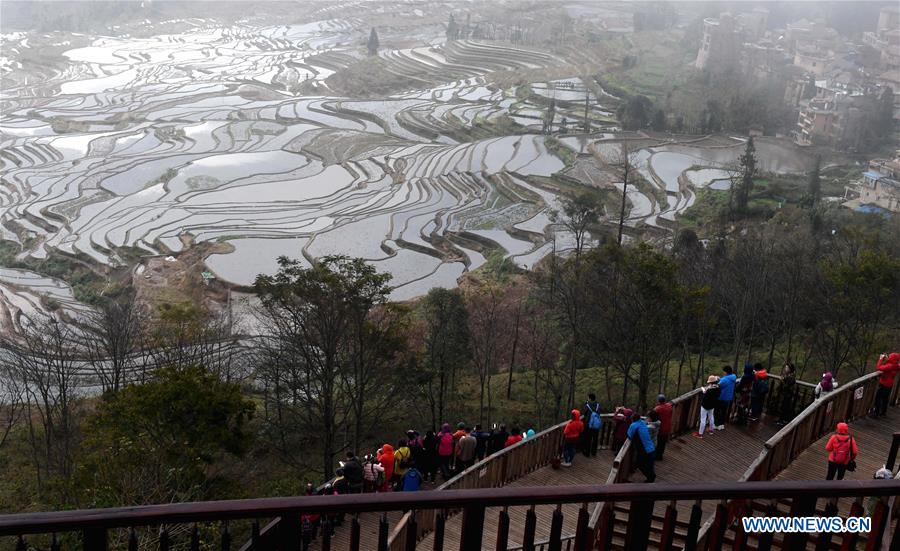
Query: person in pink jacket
{"type": "Point", "coordinates": [841, 448]}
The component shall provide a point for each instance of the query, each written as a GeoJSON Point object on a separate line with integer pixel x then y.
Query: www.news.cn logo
{"type": "Point", "coordinates": [807, 525]}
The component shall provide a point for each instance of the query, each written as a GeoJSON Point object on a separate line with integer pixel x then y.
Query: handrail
{"type": "Point", "coordinates": [492, 472]}
{"type": "Point", "coordinates": [809, 426]}
{"type": "Point", "coordinates": [205, 511]}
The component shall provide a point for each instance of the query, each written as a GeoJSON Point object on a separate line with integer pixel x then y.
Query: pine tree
{"type": "Point", "coordinates": [748, 169]}
{"type": "Point", "coordinates": [373, 42]}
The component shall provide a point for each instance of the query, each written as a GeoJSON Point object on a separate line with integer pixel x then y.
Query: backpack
{"type": "Point", "coordinates": [841, 452]}
{"type": "Point", "coordinates": [594, 421]}
{"type": "Point", "coordinates": [404, 459]}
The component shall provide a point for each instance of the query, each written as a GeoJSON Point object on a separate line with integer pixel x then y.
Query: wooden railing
{"type": "Point", "coordinates": [97, 526]}
{"type": "Point", "coordinates": [848, 402]}
{"type": "Point", "coordinates": [685, 418]}
{"type": "Point", "coordinates": [494, 471]}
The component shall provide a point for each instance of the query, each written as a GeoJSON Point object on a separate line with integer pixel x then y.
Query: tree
{"type": "Point", "coordinates": [446, 348]}
{"type": "Point", "coordinates": [627, 163]}
{"type": "Point", "coordinates": [814, 185]}
{"type": "Point", "coordinates": [634, 323]}
{"type": "Point", "coordinates": [579, 214]}
{"type": "Point", "coordinates": [860, 291]}
{"type": "Point", "coordinates": [373, 43]}
{"type": "Point", "coordinates": [659, 120]}
{"type": "Point", "coordinates": [162, 441]}
{"type": "Point", "coordinates": [112, 337]}
{"type": "Point", "coordinates": [185, 334]}
{"type": "Point", "coordinates": [452, 29]}
{"type": "Point", "coordinates": [12, 402]}
{"type": "Point", "coordinates": [748, 171]}
{"type": "Point", "coordinates": [488, 307]}
{"type": "Point", "coordinates": [635, 113]}
{"type": "Point", "coordinates": [318, 358]}
{"type": "Point", "coordinates": [45, 358]}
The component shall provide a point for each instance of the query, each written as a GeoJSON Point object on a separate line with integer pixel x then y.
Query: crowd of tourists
{"type": "Point", "coordinates": [419, 459]}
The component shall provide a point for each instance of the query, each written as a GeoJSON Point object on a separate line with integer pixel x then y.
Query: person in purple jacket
{"type": "Point", "coordinates": [726, 395]}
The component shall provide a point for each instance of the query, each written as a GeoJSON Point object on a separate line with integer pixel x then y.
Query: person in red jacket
{"type": "Point", "coordinates": [841, 448]}
{"type": "Point", "coordinates": [572, 434]}
{"type": "Point", "coordinates": [887, 367]}
{"type": "Point", "coordinates": [621, 422]}
{"type": "Point", "coordinates": [664, 410]}
{"type": "Point", "coordinates": [385, 456]}
{"type": "Point", "coordinates": [514, 437]}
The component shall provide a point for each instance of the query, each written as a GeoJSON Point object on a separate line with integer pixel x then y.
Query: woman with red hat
{"type": "Point", "coordinates": [841, 448]}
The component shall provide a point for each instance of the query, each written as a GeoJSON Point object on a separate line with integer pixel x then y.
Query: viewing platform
{"type": "Point", "coordinates": [515, 500]}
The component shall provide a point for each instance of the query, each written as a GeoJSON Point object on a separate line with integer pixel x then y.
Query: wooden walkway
{"type": "Point", "coordinates": [873, 437]}
{"type": "Point", "coordinates": [584, 470]}
{"type": "Point", "coordinates": [724, 456]}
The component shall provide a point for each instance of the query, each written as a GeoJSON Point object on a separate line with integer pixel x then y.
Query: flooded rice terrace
{"type": "Point", "coordinates": [235, 136]}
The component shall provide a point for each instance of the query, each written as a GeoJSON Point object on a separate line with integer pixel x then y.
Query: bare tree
{"type": "Point", "coordinates": [47, 359]}
{"type": "Point", "coordinates": [12, 401]}
{"type": "Point", "coordinates": [111, 337]}
{"type": "Point", "coordinates": [487, 305]}
{"type": "Point", "coordinates": [627, 164]}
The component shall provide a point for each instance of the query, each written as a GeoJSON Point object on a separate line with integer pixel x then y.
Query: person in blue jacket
{"type": "Point", "coordinates": [643, 445]}
{"type": "Point", "coordinates": [727, 383]}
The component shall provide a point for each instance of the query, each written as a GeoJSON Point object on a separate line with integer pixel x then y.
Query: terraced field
{"type": "Point", "coordinates": [236, 134]}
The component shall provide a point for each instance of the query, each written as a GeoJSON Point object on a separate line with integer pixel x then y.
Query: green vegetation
{"type": "Point", "coordinates": [560, 150]}
{"type": "Point", "coordinates": [87, 285]}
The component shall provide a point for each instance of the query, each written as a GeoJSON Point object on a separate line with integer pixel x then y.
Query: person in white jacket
{"type": "Point", "coordinates": [826, 386]}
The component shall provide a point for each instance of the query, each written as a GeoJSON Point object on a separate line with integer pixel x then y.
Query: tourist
{"type": "Point", "coordinates": [758, 392]}
{"type": "Point", "coordinates": [353, 472]}
{"type": "Point", "coordinates": [727, 382]}
{"type": "Point", "coordinates": [708, 403]}
{"type": "Point", "coordinates": [412, 480]}
{"type": "Point", "coordinates": [887, 366]}
{"type": "Point", "coordinates": [445, 451]}
{"type": "Point", "coordinates": [788, 394]}
{"type": "Point", "coordinates": [621, 421]}
{"type": "Point", "coordinates": [664, 410]}
{"type": "Point", "coordinates": [841, 448]}
{"type": "Point", "coordinates": [340, 483]}
{"type": "Point", "coordinates": [498, 439]}
{"type": "Point", "coordinates": [652, 420]}
{"type": "Point", "coordinates": [826, 386]}
{"type": "Point", "coordinates": [571, 435]}
{"type": "Point", "coordinates": [374, 475]}
{"type": "Point", "coordinates": [872, 501]}
{"type": "Point", "coordinates": [639, 435]}
{"type": "Point", "coordinates": [460, 431]}
{"type": "Point", "coordinates": [309, 522]}
{"type": "Point", "coordinates": [529, 434]}
{"type": "Point", "coordinates": [744, 389]}
{"type": "Point", "coordinates": [514, 437]}
{"type": "Point", "coordinates": [465, 451]}
{"type": "Point", "coordinates": [402, 459]}
{"type": "Point", "coordinates": [386, 458]}
{"type": "Point", "coordinates": [430, 459]}
{"type": "Point", "coordinates": [482, 440]}
{"type": "Point", "coordinates": [591, 435]}
{"type": "Point", "coordinates": [414, 442]}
